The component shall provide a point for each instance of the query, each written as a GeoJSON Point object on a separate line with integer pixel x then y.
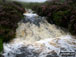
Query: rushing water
{"type": "Point", "coordinates": [35, 37]}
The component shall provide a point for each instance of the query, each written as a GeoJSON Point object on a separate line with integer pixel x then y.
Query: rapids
{"type": "Point", "coordinates": [35, 37]}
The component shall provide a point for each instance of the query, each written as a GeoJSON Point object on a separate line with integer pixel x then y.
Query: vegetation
{"type": "Point", "coordinates": [61, 14]}
{"type": "Point", "coordinates": [30, 5]}
{"type": "Point", "coordinates": [10, 15]}
{"type": "Point", "coordinates": [1, 45]}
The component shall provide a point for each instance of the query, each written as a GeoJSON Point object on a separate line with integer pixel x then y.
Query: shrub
{"type": "Point", "coordinates": [1, 45]}
{"type": "Point", "coordinates": [61, 18]}
{"type": "Point", "coordinates": [10, 15]}
{"type": "Point", "coordinates": [63, 15]}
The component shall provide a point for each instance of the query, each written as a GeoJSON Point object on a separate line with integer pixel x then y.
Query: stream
{"type": "Point", "coordinates": [35, 37]}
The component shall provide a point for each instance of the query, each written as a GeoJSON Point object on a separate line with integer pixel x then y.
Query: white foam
{"type": "Point", "coordinates": [43, 39]}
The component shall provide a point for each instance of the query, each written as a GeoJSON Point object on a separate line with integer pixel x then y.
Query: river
{"type": "Point", "coordinates": [35, 37]}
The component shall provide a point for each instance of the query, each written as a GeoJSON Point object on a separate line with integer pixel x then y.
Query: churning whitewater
{"type": "Point", "coordinates": [35, 37]}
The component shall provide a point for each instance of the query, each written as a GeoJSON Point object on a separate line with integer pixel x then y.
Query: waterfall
{"type": "Point", "coordinates": [35, 37]}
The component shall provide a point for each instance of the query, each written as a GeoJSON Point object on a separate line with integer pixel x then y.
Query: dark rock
{"type": "Point", "coordinates": [1, 55]}
{"type": "Point", "coordinates": [48, 56]}
{"type": "Point", "coordinates": [23, 52]}
{"type": "Point", "coordinates": [52, 55]}
{"type": "Point", "coordinates": [20, 55]}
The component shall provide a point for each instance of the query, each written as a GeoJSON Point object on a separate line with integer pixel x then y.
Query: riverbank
{"type": "Point", "coordinates": [61, 14]}
{"type": "Point", "coordinates": [10, 15]}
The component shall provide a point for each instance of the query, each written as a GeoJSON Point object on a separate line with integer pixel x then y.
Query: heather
{"type": "Point", "coordinates": [10, 15]}
{"type": "Point", "coordinates": [61, 14]}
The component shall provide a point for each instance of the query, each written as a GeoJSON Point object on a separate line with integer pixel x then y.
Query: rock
{"type": "Point", "coordinates": [48, 56]}
{"type": "Point", "coordinates": [20, 55]}
{"type": "Point", "coordinates": [52, 54]}
{"type": "Point", "coordinates": [1, 55]}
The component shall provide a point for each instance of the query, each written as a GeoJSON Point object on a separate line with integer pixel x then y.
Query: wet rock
{"type": "Point", "coordinates": [48, 56]}
{"type": "Point", "coordinates": [52, 54]}
{"type": "Point", "coordinates": [28, 52]}
{"type": "Point", "coordinates": [22, 52]}
{"type": "Point", "coordinates": [1, 55]}
{"type": "Point", "coordinates": [20, 55]}
{"type": "Point", "coordinates": [35, 20]}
